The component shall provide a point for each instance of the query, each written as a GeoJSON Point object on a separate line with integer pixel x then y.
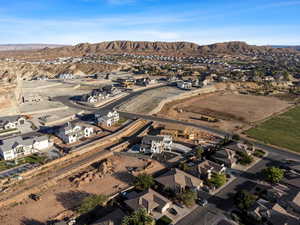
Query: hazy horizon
{"type": "Point", "coordinates": [258, 22]}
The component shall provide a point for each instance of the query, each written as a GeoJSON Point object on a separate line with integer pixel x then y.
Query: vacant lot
{"type": "Point", "coordinates": [233, 110]}
{"type": "Point", "coordinates": [283, 130]}
{"type": "Point", "coordinates": [61, 200]}
{"type": "Point", "coordinates": [147, 101]}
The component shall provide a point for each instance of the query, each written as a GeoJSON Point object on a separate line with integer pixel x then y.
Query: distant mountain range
{"type": "Point", "coordinates": [25, 47]}
{"type": "Point", "coordinates": [163, 48]}
{"type": "Point", "coordinates": [140, 47]}
{"type": "Point", "coordinates": [297, 47]}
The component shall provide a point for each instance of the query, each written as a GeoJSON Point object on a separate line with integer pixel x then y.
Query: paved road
{"type": "Point", "coordinates": [215, 131]}
{"type": "Point", "coordinates": [108, 107]}
{"type": "Point", "coordinates": [222, 202]}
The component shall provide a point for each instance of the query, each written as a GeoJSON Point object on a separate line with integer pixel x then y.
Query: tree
{"type": "Point", "coordinates": [199, 152]}
{"type": "Point", "coordinates": [188, 198]}
{"type": "Point", "coordinates": [139, 217]}
{"type": "Point", "coordinates": [273, 174]}
{"type": "Point", "coordinates": [90, 202]}
{"type": "Point", "coordinates": [143, 181]}
{"type": "Point", "coordinates": [218, 180]}
{"type": "Point", "coordinates": [245, 159]}
{"type": "Point", "coordinates": [244, 199]}
{"type": "Point", "coordinates": [184, 166]}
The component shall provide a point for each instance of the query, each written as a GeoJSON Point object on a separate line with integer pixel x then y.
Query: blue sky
{"type": "Point", "coordinates": [258, 22]}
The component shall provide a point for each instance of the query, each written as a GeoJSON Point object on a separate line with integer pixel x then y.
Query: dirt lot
{"type": "Point", "coordinates": [147, 101]}
{"type": "Point", "coordinates": [234, 111]}
{"type": "Point", "coordinates": [60, 201]}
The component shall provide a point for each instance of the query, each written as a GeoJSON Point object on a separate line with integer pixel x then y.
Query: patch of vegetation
{"type": "Point", "coordinates": [244, 158]}
{"type": "Point", "coordinates": [139, 217]}
{"type": "Point", "coordinates": [188, 198]}
{"type": "Point", "coordinates": [244, 200]}
{"type": "Point", "coordinates": [5, 165]}
{"type": "Point", "coordinates": [164, 221]}
{"type": "Point", "coordinates": [143, 181]}
{"type": "Point", "coordinates": [273, 174]}
{"type": "Point", "coordinates": [199, 152]}
{"type": "Point", "coordinates": [259, 153]}
{"type": "Point", "coordinates": [184, 166]}
{"type": "Point", "coordinates": [282, 131]}
{"type": "Point", "coordinates": [121, 121]}
{"type": "Point", "coordinates": [91, 202]}
{"type": "Point", "coordinates": [35, 158]}
{"type": "Point", "coordinates": [217, 180]}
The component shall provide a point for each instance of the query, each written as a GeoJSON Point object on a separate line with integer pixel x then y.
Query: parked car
{"type": "Point", "coordinates": [34, 197]}
{"type": "Point", "coordinates": [202, 202]}
{"type": "Point", "coordinates": [173, 211]}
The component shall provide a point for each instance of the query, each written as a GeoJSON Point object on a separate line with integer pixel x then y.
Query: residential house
{"type": "Point", "coordinates": [109, 119]}
{"type": "Point", "coordinates": [156, 144]}
{"type": "Point", "coordinates": [101, 94]}
{"type": "Point", "coordinates": [178, 181]}
{"type": "Point", "coordinates": [207, 168]}
{"type": "Point", "coordinates": [72, 132]}
{"type": "Point", "coordinates": [241, 147]}
{"type": "Point", "coordinates": [292, 165]}
{"type": "Point", "coordinates": [111, 90]}
{"type": "Point", "coordinates": [185, 85]}
{"type": "Point", "coordinates": [143, 81]}
{"type": "Point", "coordinates": [152, 201]}
{"type": "Point", "coordinates": [16, 147]}
{"type": "Point", "coordinates": [226, 157]}
{"type": "Point", "coordinates": [179, 131]}
{"type": "Point", "coordinates": [66, 76]}
{"type": "Point", "coordinates": [11, 122]}
{"type": "Point", "coordinates": [274, 213]}
{"type": "Point", "coordinates": [32, 98]}
{"type": "Point", "coordinates": [295, 203]}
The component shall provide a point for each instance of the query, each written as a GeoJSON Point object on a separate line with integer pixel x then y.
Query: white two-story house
{"type": "Point", "coordinates": [16, 147]}
{"type": "Point", "coordinates": [71, 132]}
{"type": "Point", "coordinates": [156, 144]}
{"type": "Point", "coordinates": [108, 119]}
{"type": "Point", "coordinates": [11, 122]}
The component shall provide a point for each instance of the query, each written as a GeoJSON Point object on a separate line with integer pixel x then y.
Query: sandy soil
{"type": "Point", "coordinates": [233, 110]}
{"type": "Point", "coordinates": [147, 101]}
{"type": "Point", "coordinates": [59, 201]}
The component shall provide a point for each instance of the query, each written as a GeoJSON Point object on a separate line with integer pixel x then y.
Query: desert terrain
{"type": "Point", "coordinates": [62, 199]}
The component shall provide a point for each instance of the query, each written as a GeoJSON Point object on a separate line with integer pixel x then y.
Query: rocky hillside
{"type": "Point", "coordinates": [10, 70]}
{"type": "Point", "coordinates": [165, 48]}
{"type": "Point", "coordinates": [143, 47]}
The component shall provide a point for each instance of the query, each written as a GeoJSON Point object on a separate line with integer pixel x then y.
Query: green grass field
{"type": "Point", "coordinates": [282, 131]}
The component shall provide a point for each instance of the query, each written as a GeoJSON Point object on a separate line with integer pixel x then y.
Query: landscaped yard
{"type": "Point", "coordinates": [32, 159]}
{"type": "Point", "coordinates": [282, 131]}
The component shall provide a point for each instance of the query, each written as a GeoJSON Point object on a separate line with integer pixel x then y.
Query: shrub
{"type": "Point", "coordinates": [273, 174]}
{"type": "Point", "coordinates": [139, 217]}
{"type": "Point", "coordinates": [143, 181]}
{"type": "Point", "coordinates": [90, 202]}
{"type": "Point", "coordinates": [259, 153]}
{"type": "Point", "coordinates": [244, 200]}
{"type": "Point", "coordinates": [217, 180]}
{"type": "Point", "coordinates": [245, 159]}
{"type": "Point", "coordinates": [188, 198]}
{"type": "Point", "coordinates": [164, 220]}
